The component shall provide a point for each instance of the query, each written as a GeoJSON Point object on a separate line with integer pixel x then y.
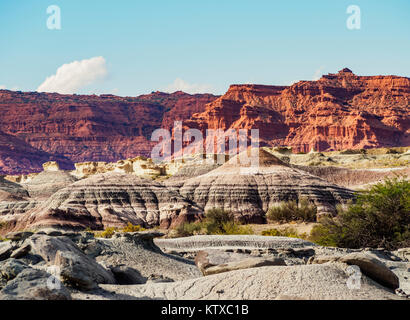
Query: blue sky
{"type": "Point", "coordinates": [147, 45]}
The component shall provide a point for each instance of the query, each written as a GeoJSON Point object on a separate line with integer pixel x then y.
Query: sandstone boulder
{"type": "Point", "coordinates": [125, 275]}
{"type": "Point", "coordinates": [214, 261]}
{"type": "Point", "coordinates": [243, 264]}
{"type": "Point", "coordinates": [6, 248]}
{"type": "Point", "coordinates": [76, 268]}
{"type": "Point", "coordinates": [10, 268]}
{"type": "Point", "coordinates": [369, 265]}
{"type": "Point", "coordinates": [33, 284]}
{"type": "Point", "coordinates": [19, 235]}
{"type": "Point", "coordinates": [139, 252]}
{"type": "Point", "coordinates": [21, 251]}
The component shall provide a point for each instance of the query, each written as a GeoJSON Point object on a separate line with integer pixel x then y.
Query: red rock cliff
{"type": "Point", "coordinates": [39, 127]}
{"type": "Point", "coordinates": [339, 111]}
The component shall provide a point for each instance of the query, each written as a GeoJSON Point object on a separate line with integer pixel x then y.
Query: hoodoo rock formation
{"type": "Point", "coordinates": [249, 192]}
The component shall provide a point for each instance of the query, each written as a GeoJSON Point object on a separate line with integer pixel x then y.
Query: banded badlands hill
{"type": "Point", "coordinates": [339, 111]}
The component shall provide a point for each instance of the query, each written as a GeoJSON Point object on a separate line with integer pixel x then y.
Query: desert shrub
{"type": "Point", "coordinates": [285, 232]}
{"type": "Point", "coordinates": [132, 228]}
{"type": "Point", "coordinates": [107, 233]}
{"type": "Point", "coordinates": [188, 229]}
{"type": "Point", "coordinates": [351, 151]}
{"type": "Point", "coordinates": [293, 211]}
{"type": "Point", "coordinates": [231, 228]}
{"type": "Point", "coordinates": [379, 218]}
{"type": "Point", "coordinates": [4, 225]}
{"type": "Point", "coordinates": [216, 222]}
{"type": "Point", "coordinates": [215, 219]}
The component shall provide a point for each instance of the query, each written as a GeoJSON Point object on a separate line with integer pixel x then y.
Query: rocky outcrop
{"type": "Point", "coordinates": [14, 200]}
{"type": "Point", "coordinates": [368, 265]}
{"type": "Point", "coordinates": [139, 166]}
{"type": "Point", "coordinates": [111, 199]}
{"type": "Point", "coordinates": [339, 111]}
{"type": "Point", "coordinates": [305, 282]}
{"type": "Point", "coordinates": [73, 265]}
{"type": "Point", "coordinates": [249, 192]}
{"type": "Point", "coordinates": [207, 263]}
{"type": "Point", "coordinates": [137, 251]}
{"type": "Point", "coordinates": [48, 182]}
{"type": "Point", "coordinates": [33, 284]}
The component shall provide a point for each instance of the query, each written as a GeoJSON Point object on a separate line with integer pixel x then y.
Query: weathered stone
{"type": "Point", "coordinates": [243, 264]}
{"type": "Point", "coordinates": [21, 252]}
{"type": "Point", "coordinates": [6, 248]}
{"type": "Point", "coordinates": [373, 268]}
{"type": "Point", "coordinates": [202, 261]}
{"type": "Point", "coordinates": [77, 269]}
{"type": "Point", "coordinates": [33, 284]}
{"type": "Point", "coordinates": [125, 275]}
{"type": "Point", "coordinates": [157, 278]}
{"type": "Point", "coordinates": [404, 253]}
{"type": "Point", "coordinates": [81, 272]}
{"type": "Point", "coordinates": [20, 235]}
{"type": "Point", "coordinates": [311, 282]}
{"type": "Point", "coordinates": [369, 265]}
{"type": "Point", "coordinates": [10, 268]}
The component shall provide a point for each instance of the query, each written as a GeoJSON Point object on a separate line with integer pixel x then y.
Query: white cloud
{"type": "Point", "coordinates": [2, 87]}
{"type": "Point", "coordinates": [71, 77]}
{"type": "Point", "coordinates": [181, 85]}
{"type": "Point", "coordinates": [318, 73]}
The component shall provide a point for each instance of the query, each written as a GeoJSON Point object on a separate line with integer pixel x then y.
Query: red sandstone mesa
{"type": "Point", "coordinates": [39, 127]}
{"type": "Point", "coordinates": [338, 111]}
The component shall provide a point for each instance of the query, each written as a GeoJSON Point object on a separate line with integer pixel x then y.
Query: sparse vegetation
{"type": "Point", "coordinates": [132, 228]}
{"type": "Point", "coordinates": [303, 211]}
{"type": "Point", "coordinates": [188, 229]}
{"type": "Point", "coordinates": [109, 232]}
{"type": "Point", "coordinates": [217, 222]}
{"type": "Point", "coordinates": [3, 225]}
{"type": "Point", "coordinates": [379, 218]}
{"type": "Point", "coordinates": [285, 232]}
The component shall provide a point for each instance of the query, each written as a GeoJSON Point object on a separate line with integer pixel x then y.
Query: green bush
{"type": "Point", "coordinates": [379, 218]}
{"type": "Point", "coordinates": [292, 211]}
{"type": "Point", "coordinates": [232, 228]}
{"type": "Point", "coordinates": [216, 222]}
{"type": "Point", "coordinates": [215, 219]}
{"type": "Point", "coordinates": [285, 232]}
{"type": "Point", "coordinates": [107, 233]}
{"type": "Point", "coordinates": [188, 229]}
{"type": "Point", "coordinates": [132, 228]}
